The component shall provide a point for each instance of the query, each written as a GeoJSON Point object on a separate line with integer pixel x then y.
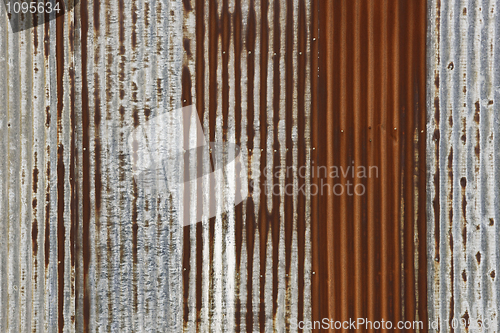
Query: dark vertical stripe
{"type": "Point", "coordinates": [303, 27]}
{"type": "Point", "coordinates": [61, 232]}
{"type": "Point", "coordinates": [187, 100]}
{"type": "Point", "coordinates": [250, 217]}
{"type": "Point", "coordinates": [85, 168]}
{"type": "Point", "coordinates": [322, 289]}
{"type": "Point", "coordinates": [265, 219]}
{"type": "Point", "coordinates": [225, 36]}
{"type": "Point", "coordinates": [75, 242]}
{"type": "Point", "coordinates": [419, 98]}
{"type": "Point", "coordinates": [238, 49]}
{"type": "Point", "coordinates": [277, 219]}
{"type": "Point", "coordinates": [316, 283]}
{"type": "Point", "coordinates": [201, 106]}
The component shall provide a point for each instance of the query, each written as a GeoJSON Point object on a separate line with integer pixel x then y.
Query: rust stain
{"type": "Point", "coordinates": [47, 218]}
{"type": "Point", "coordinates": [388, 63]}
{"type": "Point", "coordinates": [61, 230]}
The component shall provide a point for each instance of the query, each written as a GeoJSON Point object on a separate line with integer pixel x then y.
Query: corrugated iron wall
{"type": "Point", "coordinates": [370, 249]}
{"type": "Point", "coordinates": [463, 174]}
{"type": "Point", "coordinates": [83, 246]}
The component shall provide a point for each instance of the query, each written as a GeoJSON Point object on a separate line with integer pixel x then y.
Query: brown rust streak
{"type": "Point", "coordinates": [303, 28]}
{"type": "Point", "coordinates": [321, 231]}
{"type": "Point", "coordinates": [371, 218]}
{"type": "Point", "coordinates": [109, 89]}
{"type": "Point", "coordinates": [133, 34]}
{"type": "Point", "coordinates": [316, 283]}
{"type": "Point", "coordinates": [135, 227]}
{"type": "Point", "coordinates": [274, 24]}
{"type": "Point", "coordinates": [187, 100]}
{"type": "Point", "coordinates": [377, 213]}
{"type": "Point", "coordinates": [201, 107]}
{"type": "Point", "coordinates": [265, 218]}
{"type": "Point", "coordinates": [75, 246]}
{"type": "Point", "coordinates": [452, 274]}
{"type": "Point", "coordinates": [383, 126]}
{"type": "Point", "coordinates": [357, 16]}
{"type": "Point", "coordinates": [408, 119]}
{"type": "Point", "coordinates": [435, 202]}
{"type": "Point", "coordinates": [396, 165]}
{"type": "Point", "coordinates": [213, 36]}
{"type": "Point", "coordinates": [35, 33]}
{"type": "Point", "coordinates": [365, 132]}
{"type": "Point", "coordinates": [47, 216]}
{"type": "Point", "coordinates": [34, 227]}
{"type": "Point", "coordinates": [250, 215]}
{"type": "Point", "coordinates": [238, 214]}
{"type": "Point", "coordinates": [225, 36]}
{"type": "Point", "coordinates": [236, 23]}
{"type": "Point", "coordinates": [287, 219]}
{"type": "Point", "coordinates": [420, 110]}
{"type": "Point", "coordinates": [407, 123]}
{"type": "Point", "coordinates": [61, 230]}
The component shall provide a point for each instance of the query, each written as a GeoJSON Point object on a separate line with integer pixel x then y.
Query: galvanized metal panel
{"type": "Point", "coordinates": [32, 130]}
{"type": "Point", "coordinates": [463, 172]}
{"type": "Point", "coordinates": [84, 247]}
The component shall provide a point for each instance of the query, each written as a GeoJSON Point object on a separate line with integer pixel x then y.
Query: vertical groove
{"type": "Point", "coordinates": [371, 237]}
{"type": "Point", "coordinates": [4, 175]}
{"type": "Point", "coordinates": [246, 205]}
{"type": "Point", "coordinates": [304, 272]}
{"type": "Point", "coordinates": [207, 107]}
{"type": "Point", "coordinates": [189, 83]}
{"type": "Point", "coordinates": [24, 168]}
{"type": "Point", "coordinates": [357, 158]}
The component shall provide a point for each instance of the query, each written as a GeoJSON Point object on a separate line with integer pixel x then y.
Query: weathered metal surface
{"type": "Point", "coordinates": [35, 126]}
{"type": "Point", "coordinates": [463, 170]}
{"type": "Point", "coordinates": [84, 247]}
{"type": "Point", "coordinates": [369, 251]}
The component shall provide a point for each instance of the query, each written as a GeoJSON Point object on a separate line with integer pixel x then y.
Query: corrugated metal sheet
{"type": "Point", "coordinates": [463, 170]}
{"type": "Point", "coordinates": [35, 224]}
{"type": "Point", "coordinates": [370, 250]}
{"type": "Point", "coordinates": [83, 246]}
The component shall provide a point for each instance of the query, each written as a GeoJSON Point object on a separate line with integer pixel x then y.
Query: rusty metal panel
{"type": "Point", "coordinates": [84, 245]}
{"type": "Point", "coordinates": [369, 247]}
{"type": "Point", "coordinates": [463, 174]}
